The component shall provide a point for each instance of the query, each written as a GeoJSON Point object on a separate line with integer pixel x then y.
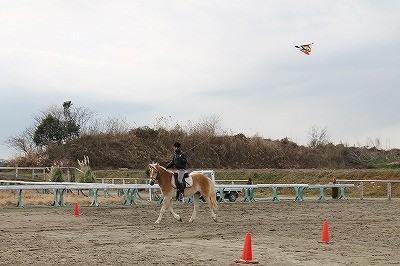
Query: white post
{"type": "Point", "coordinates": [389, 190]}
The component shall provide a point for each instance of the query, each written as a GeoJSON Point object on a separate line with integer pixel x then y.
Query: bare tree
{"type": "Point", "coordinates": [23, 142]}
{"type": "Point", "coordinates": [317, 137]}
{"type": "Point", "coordinates": [208, 125]}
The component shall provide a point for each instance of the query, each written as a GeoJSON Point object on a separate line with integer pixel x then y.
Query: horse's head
{"type": "Point", "coordinates": [154, 172]}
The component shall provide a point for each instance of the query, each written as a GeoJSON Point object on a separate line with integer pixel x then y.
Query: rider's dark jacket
{"type": "Point", "coordinates": [178, 160]}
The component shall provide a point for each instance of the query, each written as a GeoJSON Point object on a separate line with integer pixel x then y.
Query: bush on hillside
{"type": "Point", "coordinates": [86, 174]}
{"type": "Point", "coordinates": [56, 174]}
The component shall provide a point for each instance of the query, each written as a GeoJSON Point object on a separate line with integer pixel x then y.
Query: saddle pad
{"type": "Point", "coordinates": [188, 180]}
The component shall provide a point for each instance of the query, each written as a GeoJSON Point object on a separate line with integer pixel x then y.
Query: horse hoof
{"type": "Point", "coordinates": [190, 221]}
{"type": "Point", "coordinates": [180, 219]}
{"type": "Point", "coordinates": [157, 222]}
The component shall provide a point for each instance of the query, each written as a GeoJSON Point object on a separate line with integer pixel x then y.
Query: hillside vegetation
{"type": "Point", "coordinates": [137, 147]}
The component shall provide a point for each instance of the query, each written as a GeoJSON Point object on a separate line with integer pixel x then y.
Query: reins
{"type": "Point", "coordinates": [159, 174]}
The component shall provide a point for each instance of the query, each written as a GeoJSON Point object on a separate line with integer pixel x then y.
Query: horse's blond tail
{"type": "Point", "coordinates": [213, 196]}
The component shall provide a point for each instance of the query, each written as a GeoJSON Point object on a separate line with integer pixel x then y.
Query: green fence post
{"type": "Point", "coordinates": [221, 195]}
{"type": "Point", "coordinates": [139, 195]}
{"type": "Point", "coordinates": [56, 202]}
{"type": "Point", "coordinates": [249, 195]}
{"type": "Point", "coordinates": [19, 203]}
{"type": "Point", "coordinates": [321, 193]}
{"type": "Point", "coordinates": [275, 194]}
{"type": "Point", "coordinates": [95, 201]}
{"type": "Point", "coordinates": [299, 194]}
{"type": "Point", "coordinates": [62, 191]}
{"type": "Point", "coordinates": [134, 193]}
{"type": "Point", "coordinates": [106, 194]}
{"type": "Point", "coordinates": [342, 193]}
{"type": "Point", "coordinates": [155, 196]}
{"type": "Point", "coordinates": [127, 199]}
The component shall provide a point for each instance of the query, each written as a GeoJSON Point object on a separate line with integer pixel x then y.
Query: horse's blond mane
{"type": "Point", "coordinates": [162, 167]}
{"type": "Point", "coordinates": [165, 169]}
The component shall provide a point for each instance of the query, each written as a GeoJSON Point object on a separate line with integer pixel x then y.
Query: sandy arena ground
{"type": "Point", "coordinates": [363, 232]}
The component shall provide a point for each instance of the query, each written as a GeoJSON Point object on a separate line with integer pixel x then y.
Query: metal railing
{"type": "Point", "coordinates": [131, 192]}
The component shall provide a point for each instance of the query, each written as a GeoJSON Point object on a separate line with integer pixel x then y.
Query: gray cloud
{"type": "Point", "coordinates": [145, 60]}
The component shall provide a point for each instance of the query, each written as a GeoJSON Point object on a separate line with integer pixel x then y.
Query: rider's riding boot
{"type": "Point", "coordinates": [181, 191]}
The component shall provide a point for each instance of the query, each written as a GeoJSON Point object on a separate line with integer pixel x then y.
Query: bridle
{"type": "Point", "coordinates": [158, 175]}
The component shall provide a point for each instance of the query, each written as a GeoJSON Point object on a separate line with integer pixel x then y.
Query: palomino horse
{"type": "Point", "coordinates": [201, 185]}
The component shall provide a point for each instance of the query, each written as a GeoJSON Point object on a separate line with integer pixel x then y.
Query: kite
{"type": "Point", "coordinates": [305, 48]}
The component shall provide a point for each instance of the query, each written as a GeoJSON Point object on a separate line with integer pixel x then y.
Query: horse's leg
{"type": "Point", "coordinates": [165, 204]}
{"type": "Point", "coordinates": [196, 197]}
{"type": "Point", "coordinates": [213, 215]}
{"type": "Point", "coordinates": [176, 216]}
{"type": "Point", "coordinates": [207, 197]}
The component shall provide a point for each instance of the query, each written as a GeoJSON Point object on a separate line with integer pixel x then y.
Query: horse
{"type": "Point", "coordinates": [202, 185]}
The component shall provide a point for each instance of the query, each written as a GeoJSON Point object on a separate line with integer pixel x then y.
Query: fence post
{"type": "Point", "coordinates": [19, 203]}
{"type": "Point", "coordinates": [95, 200]}
{"type": "Point", "coordinates": [389, 190]}
{"type": "Point", "coordinates": [275, 194]}
{"type": "Point", "coordinates": [322, 193]}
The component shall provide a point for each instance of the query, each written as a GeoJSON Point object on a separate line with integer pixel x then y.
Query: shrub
{"type": "Point", "coordinates": [56, 174]}
{"type": "Point", "coordinates": [86, 175]}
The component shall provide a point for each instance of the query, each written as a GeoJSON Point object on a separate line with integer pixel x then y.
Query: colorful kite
{"type": "Point", "coordinates": [305, 48]}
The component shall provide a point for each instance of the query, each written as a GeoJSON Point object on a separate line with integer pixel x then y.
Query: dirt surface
{"type": "Point", "coordinates": [362, 232]}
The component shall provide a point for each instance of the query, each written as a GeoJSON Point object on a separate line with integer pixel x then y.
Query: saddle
{"type": "Point", "coordinates": [187, 180]}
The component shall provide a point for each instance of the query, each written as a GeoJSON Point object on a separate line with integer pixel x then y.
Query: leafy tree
{"type": "Point", "coordinates": [57, 127]}
{"type": "Point", "coordinates": [50, 130]}
{"type": "Point", "coordinates": [53, 125]}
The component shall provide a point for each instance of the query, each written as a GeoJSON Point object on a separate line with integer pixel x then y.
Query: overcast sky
{"type": "Point", "coordinates": [185, 60]}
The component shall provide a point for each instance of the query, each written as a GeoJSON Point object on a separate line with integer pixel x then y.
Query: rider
{"type": "Point", "coordinates": [179, 161]}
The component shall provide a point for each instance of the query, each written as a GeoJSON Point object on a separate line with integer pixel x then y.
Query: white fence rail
{"type": "Point", "coordinates": [132, 192]}
{"type": "Point", "coordinates": [34, 173]}
{"type": "Point", "coordinates": [372, 181]}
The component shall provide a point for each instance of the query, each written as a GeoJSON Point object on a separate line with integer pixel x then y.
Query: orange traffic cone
{"type": "Point", "coordinates": [325, 233]}
{"type": "Point", "coordinates": [247, 255]}
{"type": "Point", "coordinates": [76, 209]}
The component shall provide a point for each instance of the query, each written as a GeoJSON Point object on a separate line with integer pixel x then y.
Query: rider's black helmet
{"type": "Point", "coordinates": [177, 144]}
